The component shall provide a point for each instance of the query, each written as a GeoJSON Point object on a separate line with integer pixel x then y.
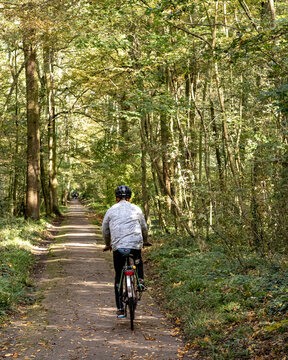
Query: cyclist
{"type": "Point", "coordinates": [124, 229]}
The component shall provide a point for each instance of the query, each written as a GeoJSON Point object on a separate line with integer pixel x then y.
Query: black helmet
{"type": "Point", "coordinates": [123, 192]}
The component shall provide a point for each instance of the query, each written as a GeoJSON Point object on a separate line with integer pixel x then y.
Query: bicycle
{"type": "Point", "coordinates": [132, 288]}
{"type": "Point", "coordinates": [129, 280]}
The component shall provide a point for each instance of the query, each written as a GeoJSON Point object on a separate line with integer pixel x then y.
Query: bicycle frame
{"type": "Point", "coordinates": [128, 271]}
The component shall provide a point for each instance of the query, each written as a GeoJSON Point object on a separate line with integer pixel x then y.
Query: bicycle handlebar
{"type": "Point", "coordinates": [107, 248]}
{"type": "Point", "coordinates": [146, 244]}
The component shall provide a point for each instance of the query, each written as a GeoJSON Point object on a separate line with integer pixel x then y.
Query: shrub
{"type": "Point", "coordinates": [17, 238]}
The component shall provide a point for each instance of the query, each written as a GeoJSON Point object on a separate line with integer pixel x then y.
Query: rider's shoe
{"type": "Point", "coordinates": [120, 314]}
{"type": "Point", "coordinates": [141, 286]}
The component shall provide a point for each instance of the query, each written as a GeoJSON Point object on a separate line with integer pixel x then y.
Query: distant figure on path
{"type": "Point", "coordinates": [75, 195]}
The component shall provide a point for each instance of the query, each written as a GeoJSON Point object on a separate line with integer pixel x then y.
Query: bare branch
{"type": "Point", "coordinates": [190, 33]}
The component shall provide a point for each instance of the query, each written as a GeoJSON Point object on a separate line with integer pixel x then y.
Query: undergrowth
{"type": "Point", "coordinates": [226, 310]}
{"type": "Point", "coordinates": [17, 240]}
{"type": "Point", "coordinates": [98, 211]}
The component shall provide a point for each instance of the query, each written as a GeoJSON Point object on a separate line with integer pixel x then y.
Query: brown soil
{"type": "Point", "coordinates": [74, 316]}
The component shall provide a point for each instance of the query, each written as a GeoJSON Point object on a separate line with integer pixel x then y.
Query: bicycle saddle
{"type": "Point", "coordinates": [124, 251]}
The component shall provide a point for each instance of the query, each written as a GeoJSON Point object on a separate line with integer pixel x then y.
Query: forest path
{"type": "Point", "coordinates": [76, 318]}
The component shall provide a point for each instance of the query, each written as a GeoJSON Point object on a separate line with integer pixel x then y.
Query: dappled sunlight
{"type": "Point", "coordinates": [72, 227]}
{"type": "Point", "coordinates": [79, 320]}
{"type": "Point", "coordinates": [99, 245]}
{"type": "Point", "coordinates": [88, 245]}
{"type": "Point", "coordinates": [84, 246]}
{"type": "Point", "coordinates": [94, 284]}
{"type": "Point", "coordinates": [80, 216]}
{"type": "Point", "coordinates": [75, 234]}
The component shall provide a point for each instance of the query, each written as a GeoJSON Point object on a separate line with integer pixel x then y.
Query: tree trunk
{"type": "Point", "coordinates": [217, 149]}
{"type": "Point", "coordinates": [33, 132]}
{"type": "Point", "coordinates": [149, 138]}
{"type": "Point", "coordinates": [165, 138]}
{"type": "Point", "coordinates": [52, 146]}
{"type": "Point", "coordinates": [173, 201]}
{"type": "Point", "coordinates": [124, 125]}
{"type": "Point", "coordinates": [15, 182]}
{"type": "Point", "coordinates": [145, 198]}
{"type": "Point", "coordinates": [190, 86]}
{"type": "Point", "coordinates": [159, 205]}
{"type": "Point", "coordinates": [272, 12]}
{"type": "Point", "coordinates": [45, 189]}
{"type": "Point", "coordinates": [256, 223]}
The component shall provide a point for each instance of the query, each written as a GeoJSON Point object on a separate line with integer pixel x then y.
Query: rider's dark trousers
{"type": "Point", "coordinates": [119, 262]}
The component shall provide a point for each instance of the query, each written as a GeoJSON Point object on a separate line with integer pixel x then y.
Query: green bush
{"type": "Point", "coordinates": [215, 297]}
{"type": "Point", "coordinates": [17, 238]}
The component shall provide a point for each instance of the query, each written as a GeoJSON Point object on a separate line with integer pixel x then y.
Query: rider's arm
{"type": "Point", "coordinates": [106, 230]}
{"type": "Point", "coordinates": [144, 228]}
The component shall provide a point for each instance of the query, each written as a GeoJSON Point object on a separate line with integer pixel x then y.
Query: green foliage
{"type": "Point", "coordinates": [140, 103]}
{"type": "Point", "coordinates": [97, 207]}
{"type": "Point", "coordinates": [222, 307]}
{"type": "Point", "coordinates": [14, 279]}
{"type": "Point", "coordinates": [17, 238]}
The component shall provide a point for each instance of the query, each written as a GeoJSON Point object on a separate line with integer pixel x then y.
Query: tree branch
{"type": "Point", "coordinates": [190, 33]}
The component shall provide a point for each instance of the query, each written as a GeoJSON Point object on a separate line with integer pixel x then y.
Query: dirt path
{"type": "Point", "coordinates": [76, 318]}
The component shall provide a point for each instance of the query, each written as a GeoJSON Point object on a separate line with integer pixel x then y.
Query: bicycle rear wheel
{"type": "Point", "coordinates": [132, 300]}
{"type": "Point", "coordinates": [131, 305]}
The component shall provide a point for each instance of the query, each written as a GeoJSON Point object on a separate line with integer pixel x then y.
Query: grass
{"type": "Point", "coordinates": [97, 207]}
{"type": "Point", "coordinates": [17, 239]}
{"type": "Point", "coordinates": [225, 310]}
{"type": "Point", "coordinates": [98, 211]}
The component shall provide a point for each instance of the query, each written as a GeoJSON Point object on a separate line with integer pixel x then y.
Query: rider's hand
{"type": "Point", "coordinates": [106, 248]}
{"type": "Point", "coordinates": [147, 243]}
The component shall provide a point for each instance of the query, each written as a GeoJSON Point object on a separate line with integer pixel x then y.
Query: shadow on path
{"type": "Point", "coordinates": [76, 319]}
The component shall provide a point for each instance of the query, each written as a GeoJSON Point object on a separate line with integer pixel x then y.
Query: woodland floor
{"type": "Point", "coordinates": [74, 315]}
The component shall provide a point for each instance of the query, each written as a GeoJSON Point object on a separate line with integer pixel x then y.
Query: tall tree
{"type": "Point", "coordinates": [33, 132]}
{"type": "Point", "coordinates": [48, 59]}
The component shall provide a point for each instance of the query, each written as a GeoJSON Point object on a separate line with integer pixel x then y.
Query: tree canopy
{"type": "Point", "coordinates": [184, 101]}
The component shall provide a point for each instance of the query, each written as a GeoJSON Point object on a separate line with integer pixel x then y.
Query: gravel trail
{"type": "Point", "coordinates": [75, 318]}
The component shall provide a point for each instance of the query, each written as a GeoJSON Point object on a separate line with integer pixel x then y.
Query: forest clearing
{"type": "Point", "coordinates": [185, 101]}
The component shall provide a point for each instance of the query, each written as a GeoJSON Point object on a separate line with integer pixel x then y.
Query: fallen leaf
{"type": "Point", "coordinates": [149, 338]}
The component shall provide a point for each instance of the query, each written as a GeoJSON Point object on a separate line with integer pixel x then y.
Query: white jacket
{"type": "Point", "coordinates": [124, 226]}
